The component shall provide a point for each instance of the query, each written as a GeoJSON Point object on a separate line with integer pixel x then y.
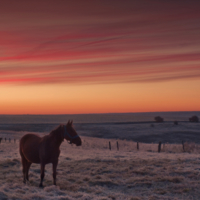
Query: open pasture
{"type": "Point", "coordinates": [92, 171]}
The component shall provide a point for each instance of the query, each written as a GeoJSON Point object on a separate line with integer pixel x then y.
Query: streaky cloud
{"type": "Point", "coordinates": [65, 42]}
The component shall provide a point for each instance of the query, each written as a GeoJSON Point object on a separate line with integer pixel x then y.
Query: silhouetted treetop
{"type": "Point", "coordinates": [159, 119]}
{"type": "Point", "coordinates": [194, 119]}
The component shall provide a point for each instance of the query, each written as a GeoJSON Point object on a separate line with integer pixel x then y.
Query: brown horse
{"type": "Point", "coordinates": [44, 150]}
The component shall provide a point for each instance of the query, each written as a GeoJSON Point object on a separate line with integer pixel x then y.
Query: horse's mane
{"type": "Point", "coordinates": [56, 130]}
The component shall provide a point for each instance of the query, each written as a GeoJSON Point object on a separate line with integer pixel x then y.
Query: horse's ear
{"type": "Point", "coordinates": [70, 122]}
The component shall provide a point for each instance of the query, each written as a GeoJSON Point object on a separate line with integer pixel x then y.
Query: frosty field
{"type": "Point", "coordinates": [92, 171]}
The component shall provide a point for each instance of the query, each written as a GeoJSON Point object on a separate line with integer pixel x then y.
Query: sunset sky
{"type": "Point", "coordinates": [99, 56]}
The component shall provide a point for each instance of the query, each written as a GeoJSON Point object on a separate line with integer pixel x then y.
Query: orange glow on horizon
{"type": "Point", "coordinates": [101, 98]}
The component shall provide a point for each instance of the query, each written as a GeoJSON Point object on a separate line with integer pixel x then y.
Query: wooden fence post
{"type": "Point", "coordinates": [109, 145]}
{"type": "Point", "coordinates": [137, 145]}
{"type": "Point", "coordinates": [117, 146]}
{"type": "Point", "coordinates": [159, 147]}
{"type": "Point", "coordinates": [183, 146]}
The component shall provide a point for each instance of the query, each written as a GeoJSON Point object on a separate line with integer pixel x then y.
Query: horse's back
{"type": "Point", "coordinates": [29, 147]}
{"type": "Point", "coordinates": [29, 139]}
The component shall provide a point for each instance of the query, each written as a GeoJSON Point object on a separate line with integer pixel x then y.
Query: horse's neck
{"type": "Point", "coordinates": [56, 138]}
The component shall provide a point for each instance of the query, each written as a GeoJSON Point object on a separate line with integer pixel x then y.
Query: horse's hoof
{"type": "Point", "coordinates": [41, 185]}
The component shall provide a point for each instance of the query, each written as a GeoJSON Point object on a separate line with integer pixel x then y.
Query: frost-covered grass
{"type": "Point", "coordinates": [92, 171]}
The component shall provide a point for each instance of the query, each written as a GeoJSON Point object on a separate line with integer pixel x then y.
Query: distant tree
{"type": "Point", "coordinates": [194, 119]}
{"type": "Point", "coordinates": [175, 122]}
{"type": "Point", "coordinates": [159, 119]}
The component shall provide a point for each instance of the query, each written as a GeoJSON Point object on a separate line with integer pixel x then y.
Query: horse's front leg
{"type": "Point", "coordinates": [55, 163]}
{"type": "Point", "coordinates": [42, 174]}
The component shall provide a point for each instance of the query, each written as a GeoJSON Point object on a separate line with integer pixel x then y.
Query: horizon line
{"type": "Point", "coordinates": [108, 113]}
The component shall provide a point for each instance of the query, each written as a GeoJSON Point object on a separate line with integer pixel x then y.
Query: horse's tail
{"type": "Point", "coordinates": [20, 149]}
{"type": "Point", "coordinates": [21, 146]}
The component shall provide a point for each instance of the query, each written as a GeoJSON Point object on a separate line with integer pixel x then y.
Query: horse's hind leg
{"type": "Point", "coordinates": [28, 164]}
{"type": "Point", "coordinates": [24, 164]}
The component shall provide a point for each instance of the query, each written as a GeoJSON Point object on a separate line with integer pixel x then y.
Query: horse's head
{"type": "Point", "coordinates": [71, 135]}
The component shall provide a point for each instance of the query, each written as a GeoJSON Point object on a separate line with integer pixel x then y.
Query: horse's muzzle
{"type": "Point", "coordinates": [78, 141]}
